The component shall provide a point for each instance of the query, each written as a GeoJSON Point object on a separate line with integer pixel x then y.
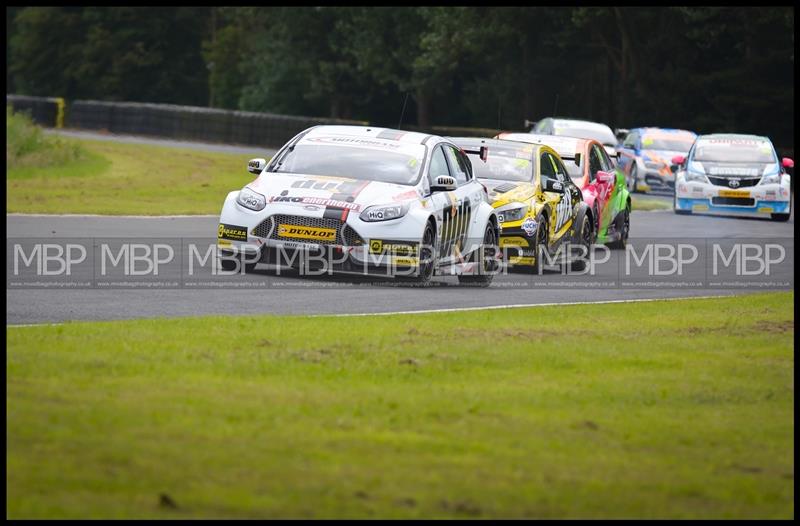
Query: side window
{"type": "Point", "coordinates": [605, 160]}
{"type": "Point", "coordinates": [438, 164]}
{"type": "Point", "coordinates": [595, 165]}
{"type": "Point", "coordinates": [547, 168]}
{"type": "Point", "coordinates": [540, 126]}
{"type": "Point", "coordinates": [561, 172]}
{"type": "Point", "coordinates": [630, 140]}
{"type": "Point", "coordinates": [457, 165]}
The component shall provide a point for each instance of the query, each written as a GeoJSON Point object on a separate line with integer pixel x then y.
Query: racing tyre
{"type": "Point", "coordinates": [782, 217]}
{"type": "Point", "coordinates": [584, 240]}
{"type": "Point", "coordinates": [635, 177]}
{"type": "Point", "coordinates": [487, 254]}
{"type": "Point", "coordinates": [675, 206]}
{"type": "Point", "coordinates": [624, 228]}
{"type": "Point", "coordinates": [426, 260]}
{"type": "Point", "coordinates": [539, 241]}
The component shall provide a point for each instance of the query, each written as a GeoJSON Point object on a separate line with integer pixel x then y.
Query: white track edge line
{"type": "Point", "coordinates": [519, 306]}
{"type": "Point", "coordinates": [429, 311]}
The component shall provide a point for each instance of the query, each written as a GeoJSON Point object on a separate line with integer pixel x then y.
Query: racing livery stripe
{"type": "Point", "coordinates": [345, 192]}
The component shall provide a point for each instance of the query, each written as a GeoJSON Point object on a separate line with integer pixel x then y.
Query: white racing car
{"type": "Point", "coordinates": [733, 174]}
{"type": "Point", "coordinates": [363, 200]}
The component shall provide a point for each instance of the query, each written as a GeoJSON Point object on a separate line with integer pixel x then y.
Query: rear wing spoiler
{"type": "Point", "coordinates": [482, 152]}
{"type": "Point", "coordinates": [576, 158]}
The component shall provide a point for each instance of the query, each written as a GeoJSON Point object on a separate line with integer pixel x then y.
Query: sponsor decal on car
{"type": "Point", "coordinates": [734, 193]}
{"type": "Point", "coordinates": [391, 247]}
{"type": "Point", "coordinates": [529, 226]}
{"type": "Point", "coordinates": [305, 232]}
{"type": "Point", "coordinates": [234, 232]}
{"type": "Point", "coordinates": [513, 241]}
{"type": "Point", "coordinates": [336, 203]}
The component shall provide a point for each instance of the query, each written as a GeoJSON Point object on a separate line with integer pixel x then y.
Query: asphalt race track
{"type": "Point", "coordinates": [338, 295]}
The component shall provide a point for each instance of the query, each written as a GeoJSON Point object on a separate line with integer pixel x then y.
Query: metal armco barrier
{"type": "Point", "coordinates": [169, 120]}
{"type": "Point", "coordinates": [191, 122]}
{"type": "Point", "coordinates": [45, 111]}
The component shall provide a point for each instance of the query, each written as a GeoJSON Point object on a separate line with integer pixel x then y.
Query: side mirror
{"type": "Point", "coordinates": [444, 183]}
{"type": "Point", "coordinates": [787, 163]}
{"type": "Point", "coordinates": [256, 166]}
{"type": "Point", "coordinates": [484, 153]}
{"type": "Point", "coordinates": [551, 185]}
{"type": "Point", "coordinates": [577, 158]}
{"type": "Point", "coordinates": [604, 177]}
{"type": "Point", "coordinates": [678, 160]}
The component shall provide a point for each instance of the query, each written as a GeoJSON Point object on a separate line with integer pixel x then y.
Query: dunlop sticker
{"type": "Point", "coordinates": [306, 232]}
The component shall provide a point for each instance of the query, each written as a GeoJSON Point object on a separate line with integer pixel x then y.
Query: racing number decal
{"type": "Point", "coordinates": [563, 209]}
{"type": "Point", "coordinates": [455, 220]}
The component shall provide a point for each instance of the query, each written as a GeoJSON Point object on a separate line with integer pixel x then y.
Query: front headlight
{"type": "Point", "coordinates": [695, 172]}
{"type": "Point", "coordinates": [771, 179]}
{"type": "Point", "coordinates": [383, 212]}
{"type": "Point", "coordinates": [695, 177]}
{"type": "Point", "coordinates": [512, 212]}
{"type": "Point", "coordinates": [252, 200]}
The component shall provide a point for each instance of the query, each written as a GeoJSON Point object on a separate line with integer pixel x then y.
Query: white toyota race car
{"type": "Point", "coordinates": [364, 200]}
{"type": "Point", "coordinates": [733, 174]}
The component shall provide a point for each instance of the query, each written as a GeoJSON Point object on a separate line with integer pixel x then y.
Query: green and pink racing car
{"type": "Point", "coordinates": [601, 182]}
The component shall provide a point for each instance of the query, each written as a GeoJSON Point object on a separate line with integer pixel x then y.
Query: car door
{"type": "Point", "coordinates": [627, 153]}
{"type": "Point", "coordinates": [453, 209]}
{"type": "Point", "coordinates": [562, 204]}
{"type": "Point", "coordinates": [598, 162]}
{"type": "Point", "coordinates": [466, 196]}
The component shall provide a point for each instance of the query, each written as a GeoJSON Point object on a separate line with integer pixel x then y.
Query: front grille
{"type": "Point", "coordinates": [744, 182]}
{"type": "Point", "coordinates": [345, 235]}
{"type": "Point", "coordinates": [733, 201]}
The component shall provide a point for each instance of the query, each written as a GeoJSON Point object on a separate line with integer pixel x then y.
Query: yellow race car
{"type": "Point", "coordinates": [543, 218]}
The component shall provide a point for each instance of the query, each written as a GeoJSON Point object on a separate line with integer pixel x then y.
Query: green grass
{"type": "Point", "coordinates": [101, 177]}
{"type": "Point", "coordinates": [664, 409]}
{"type": "Point", "coordinates": [128, 179]}
{"type": "Point", "coordinates": [27, 148]}
{"type": "Point", "coordinates": [638, 203]}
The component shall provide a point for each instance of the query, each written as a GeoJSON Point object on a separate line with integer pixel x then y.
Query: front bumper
{"type": "Point", "coordinates": [663, 177]}
{"type": "Point", "coordinates": [379, 248]}
{"type": "Point", "coordinates": [760, 200]}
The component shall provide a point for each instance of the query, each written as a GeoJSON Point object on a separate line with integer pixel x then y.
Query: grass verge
{"type": "Point", "coordinates": [127, 179]}
{"type": "Point", "coordinates": [101, 177]}
{"type": "Point", "coordinates": [665, 409]}
{"type": "Point", "coordinates": [644, 204]}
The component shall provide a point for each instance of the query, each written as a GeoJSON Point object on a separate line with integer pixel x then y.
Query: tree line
{"type": "Point", "coordinates": [700, 68]}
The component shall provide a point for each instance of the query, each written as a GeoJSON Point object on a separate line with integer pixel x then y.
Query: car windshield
{"type": "Point", "coordinates": [734, 150]}
{"type": "Point", "coordinates": [600, 135]}
{"type": "Point", "coordinates": [506, 164]}
{"type": "Point", "coordinates": [370, 164]}
{"type": "Point", "coordinates": [675, 145]}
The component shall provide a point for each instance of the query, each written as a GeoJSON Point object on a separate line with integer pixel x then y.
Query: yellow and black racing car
{"type": "Point", "coordinates": [536, 202]}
